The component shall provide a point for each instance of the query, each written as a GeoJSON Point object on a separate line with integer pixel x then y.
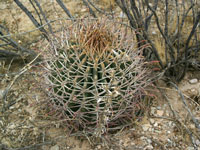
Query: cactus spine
{"type": "Point", "coordinates": [96, 81]}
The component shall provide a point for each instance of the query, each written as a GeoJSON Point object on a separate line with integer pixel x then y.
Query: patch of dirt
{"type": "Point", "coordinates": [23, 124]}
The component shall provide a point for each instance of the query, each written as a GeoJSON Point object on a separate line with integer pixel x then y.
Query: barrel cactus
{"type": "Point", "coordinates": [96, 77]}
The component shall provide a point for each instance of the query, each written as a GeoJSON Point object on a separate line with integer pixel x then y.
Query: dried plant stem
{"type": "Point", "coordinates": [177, 119]}
{"type": "Point", "coordinates": [23, 70]}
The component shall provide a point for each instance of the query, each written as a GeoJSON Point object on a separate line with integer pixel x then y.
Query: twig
{"type": "Point", "coordinates": [177, 118]}
{"type": "Point", "coordinates": [134, 25]}
{"type": "Point", "coordinates": [90, 9]}
{"type": "Point", "coordinates": [178, 28]}
{"type": "Point", "coordinates": [195, 121]}
{"type": "Point", "coordinates": [12, 42]}
{"type": "Point", "coordinates": [148, 18]}
{"type": "Point", "coordinates": [187, 45]}
{"type": "Point", "coordinates": [31, 147]}
{"type": "Point", "coordinates": [163, 35]}
{"type": "Point", "coordinates": [23, 70]}
{"type": "Point", "coordinates": [98, 9]}
{"type": "Point", "coordinates": [64, 8]}
{"type": "Point", "coordinates": [29, 14]}
{"type": "Point", "coordinates": [36, 11]}
{"type": "Point", "coordinates": [44, 16]}
{"type": "Point", "coordinates": [39, 27]}
{"type": "Point", "coordinates": [166, 29]}
{"type": "Point", "coordinates": [4, 54]}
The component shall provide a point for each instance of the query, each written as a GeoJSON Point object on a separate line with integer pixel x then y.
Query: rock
{"type": "Point", "coordinates": [159, 108]}
{"type": "Point", "coordinates": [55, 147]}
{"type": "Point", "coordinates": [152, 121]}
{"type": "Point", "coordinates": [193, 92]}
{"type": "Point", "coordinates": [157, 131]}
{"type": "Point", "coordinates": [168, 132]}
{"type": "Point", "coordinates": [146, 127]}
{"type": "Point", "coordinates": [190, 148]}
{"type": "Point", "coordinates": [148, 147]}
{"type": "Point", "coordinates": [98, 146]}
{"type": "Point", "coordinates": [192, 126]}
{"type": "Point", "coordinates": [149, 141]}
{"type": "Point", "coordinates": [153, 110]}
{"type": "Point", "coordinates": [156, 124]}
{"type": "Point", "coordinates": [1, 94]}
{"type": "Point", "coordinates": [193, 81]}
{"type": "Point", "coordinates": [171, 124]}
{"type": "Point", "coordinates": [198, 142]}
{"type": "Point", "coordinates": [154, 32]}
{"type": "Point", "coordinates": [122, 15]}
{"type": "Point", "coordinates": [160, 112]}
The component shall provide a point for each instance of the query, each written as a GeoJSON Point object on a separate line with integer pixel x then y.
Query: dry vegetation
{"type": "Point", "coordinates": [173, 115]}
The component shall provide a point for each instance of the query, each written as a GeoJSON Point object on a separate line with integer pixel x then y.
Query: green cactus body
{"type": "Point", "coordinates": [96, 88]}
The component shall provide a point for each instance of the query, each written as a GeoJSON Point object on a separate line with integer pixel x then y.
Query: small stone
{"type": "Point", "coordinates": [158, 107]}
{"type": "Point", "coordinates": [194, 92]}
{"type": "Point", "coordinates": [156, 124]}
{"type": "Point", "coordinates": [98, 146]}
{"type": "Point", "coordinates": [55, 147]}
{"type": "Point", "coordinates": [157, 131]}
{"type": "Point", "coordinates": [160, 112]}
{"type": "Point", "coordinates": [153, 110]}
{"type": "Point", "coordinates": [143, 138]}
{"type": "Point", "coordinates": [149, 141]}
{"type": "Point", "coordinates": [122, 15]}
{"type": "Point", "coordinates": [192, 126]}
{"type": "Point", "coordinates": [169, 140]}
{"type": "Point", "coordinates": [190, 148]}
{"type": "Point", "coordinates": [171, 124]}
{"type": "Point", "coordinates": [152, 121]}
{"type": "Point", "coordinates": [154, 32]}
{"type": "Point", "coordinates": [1, 94]}
{"type": "Point", "coordinates": [132, 143]}
{"type": "Point", "coordinates": [167, 113]}
{"type": "Point", "coordinates": [146, 127]}
{"type": "Point", "coordinates": [168, 132]}
{"type": "Point", "coordinates": [148, 147]}
{"type": "Point", "coordinates": [150, 4]}
{"type": "Point", "coordinates": [193, 81]}
{"type": "Point", "coordinates": [132, 129]}
{"type": "Point", "coordinates": [198, 142]}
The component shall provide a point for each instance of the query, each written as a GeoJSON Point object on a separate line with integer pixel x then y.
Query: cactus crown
{"type": "Point", "coordinates": [95, 39]}
{"type": "Point", "coordinates": [96, 83]}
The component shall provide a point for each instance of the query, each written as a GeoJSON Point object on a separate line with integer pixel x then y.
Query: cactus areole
{"type": "Point", "coordinates": [96, 81]}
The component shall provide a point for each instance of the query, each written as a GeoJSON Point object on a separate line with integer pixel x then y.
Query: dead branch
{"type": "Point", "coordinates": [187, 45]}
{"type": "Point", "coordinates": [195, 121]}
{"type": "Point", "coordinates": [35, 22]}
{"type": "Point", "coordinates": [64, 8]}
{"type": "Point", "coordinates": [148, 18]}
{"type": "Point", "coordinates": [43, 15]}
{"type": "Point", "coordinates": [90, 9]}
{"type": "Point", "coordinates": [15, 50]}
{"type": "Point", "coordinates": [5, 55]}
{"type": "Point", "coordinates": [177, 119]}
{"type": "Point", "coordinates": [162, 33]}
{"type": "Point", "coordinates": [98, 9]}
{"type": "Point", "coordinates": [7, 89]}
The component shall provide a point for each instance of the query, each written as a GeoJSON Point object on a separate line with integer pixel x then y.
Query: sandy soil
{"type": "Point", "coordinates": [25, 125]}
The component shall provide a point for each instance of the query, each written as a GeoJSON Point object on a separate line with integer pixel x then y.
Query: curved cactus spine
{"type": "Point", "coordinates": [96, 80]}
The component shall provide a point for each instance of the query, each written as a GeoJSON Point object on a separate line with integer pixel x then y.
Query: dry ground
{"type": "Point", "coordinates": [25, 125]}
